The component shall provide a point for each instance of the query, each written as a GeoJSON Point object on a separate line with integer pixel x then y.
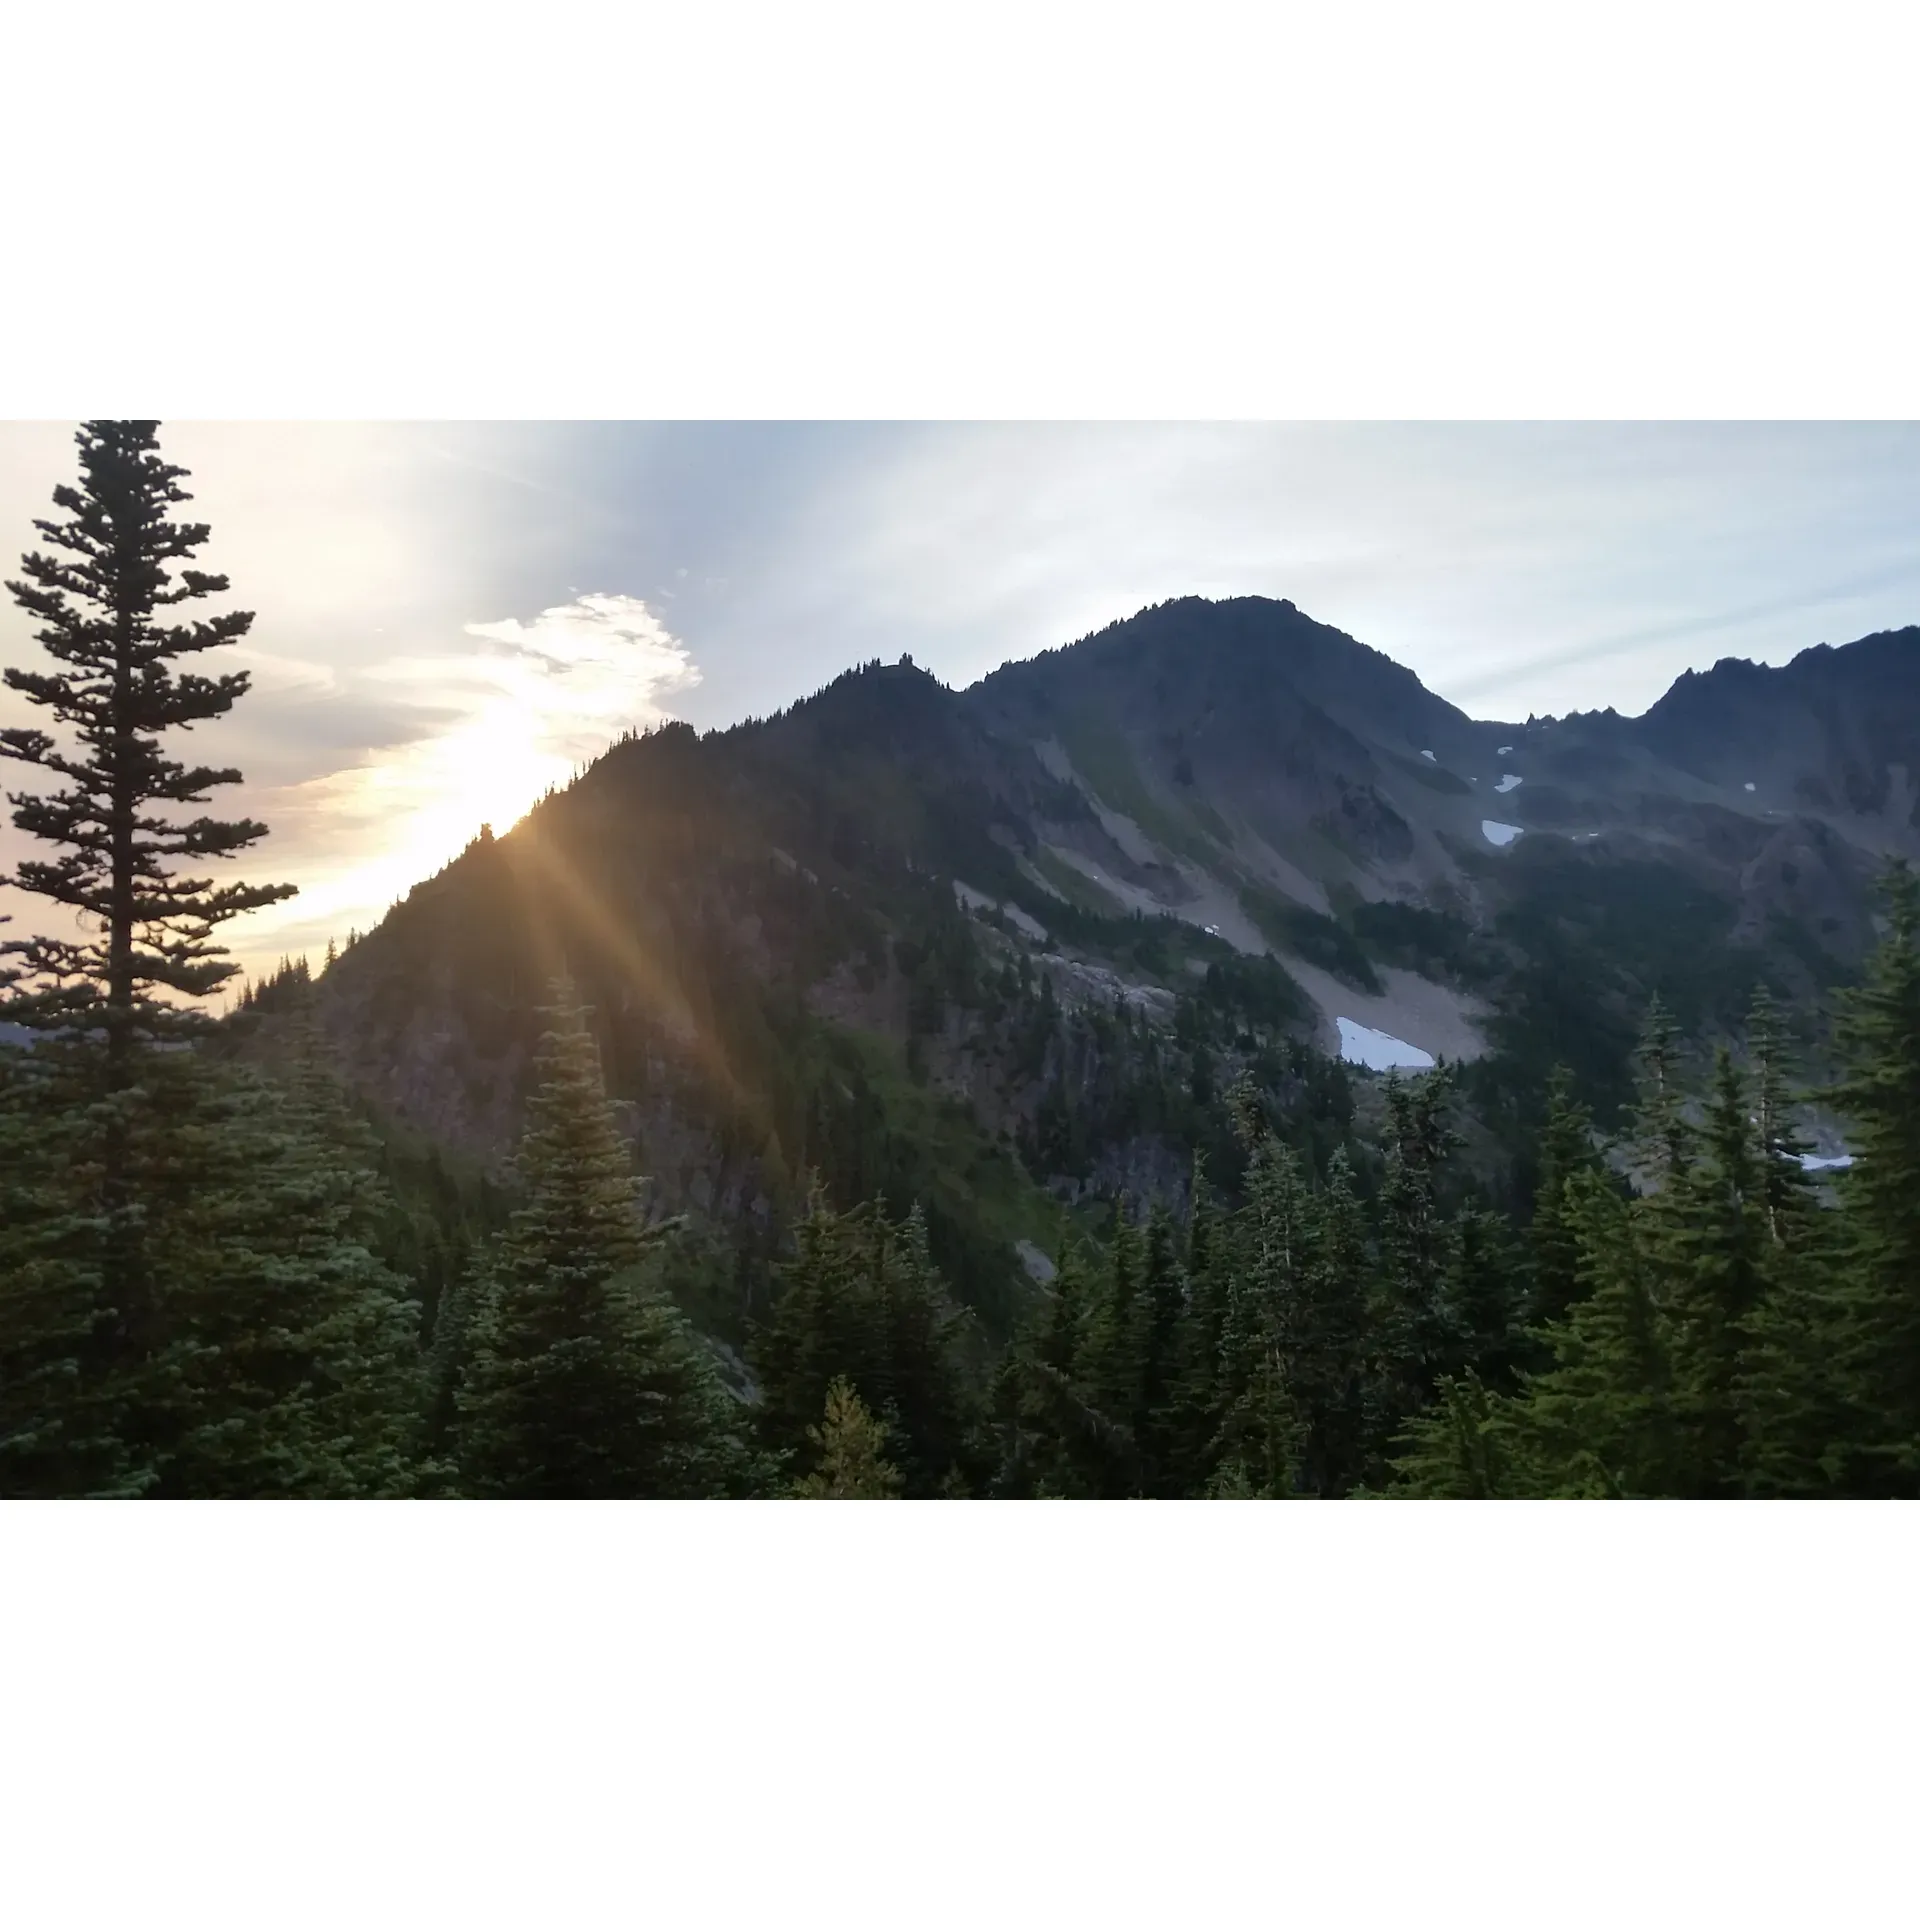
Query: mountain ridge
{"type": "Point", "coordinates": [1012, 934]}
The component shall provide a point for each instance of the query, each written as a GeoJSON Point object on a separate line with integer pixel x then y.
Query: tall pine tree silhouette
{"type": "Point", "coordinates": [99, 596]}
{"type": "Point", "coordinates": [582, 1380]}
{"type": "Point", "coordinates": [1879, 1034]}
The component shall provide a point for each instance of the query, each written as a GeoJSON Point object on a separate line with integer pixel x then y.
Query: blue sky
{"type": "Point", "coordinates": [451, 615]}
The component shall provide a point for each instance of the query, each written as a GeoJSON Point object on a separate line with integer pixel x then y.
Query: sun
{"type": "Point", "coordinates": [489, 772]}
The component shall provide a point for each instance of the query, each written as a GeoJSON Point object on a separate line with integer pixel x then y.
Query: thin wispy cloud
{"type": "Point", "coordinates": [502, 721]}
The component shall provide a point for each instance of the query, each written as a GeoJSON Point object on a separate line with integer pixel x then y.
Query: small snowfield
{"type": "Point", "coordinates": [1500, 834]}
{"type": "Point", "coordinates": [1369, 1047]}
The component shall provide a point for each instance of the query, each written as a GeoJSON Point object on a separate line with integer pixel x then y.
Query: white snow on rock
{"type": "Point", "coordinates": [1508, 781]}
{"type": "Point", "coordinates": [1426, 753]}
{"type": "Point", "coordinates": [1821, 1163]}
{"type": "Point", "coordinates": [1369, 1047]}
{"type": "Point", "coordinates": [1500, 835]}
{"type": "Point", "coordinates": [1750, 786]}
{"type": "Point", "coordinates": [1503, 749]}
{"type": "Point", "coordinates": [1038, 1266]}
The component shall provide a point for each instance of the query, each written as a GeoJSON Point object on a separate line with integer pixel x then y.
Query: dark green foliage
{"type": "Point", "coordinates": [290, 1362]}
{"type": "Point", "coordinates": [1566, 1148]}
{"type": "Point", "coordinates": [1418, 1334]}
{"type": "Point", "coordinates": [1713, 1237]}
{"type": "Point", "coordinates": [1802, 1424]}
{"type": "Point", "coordinates": [1662, 1139]}
{"type": "Point", "coordinates": [187, 1302]}
{"type": "Point", "coordinates": [58, 1424]}
{"type": "Point", "coordinates": [1483, 1298]}
{"type": "Point", "coordinates": [276, 1354]}
{"type": "Point", "coordinates": [1235, 1366]}
{"type": "Point", "coordinates": [581, 1379]}
{"type": "Point", "coordinates": [1053, 1442]}
{"type": "Point", "coordinates": [1315, 937]}
{"type": "Point", "coordinates": [850, 1446]}
{"type": "Point", "coordinates": [1879, 1033]}
{"type": "Point", "coordinates": [1785, 1192]}
{"type": "Point", "coordinates": [1457, 1449]}
{"type": "Point", "coordinates": [1439, 945]}
{"type": "Point", "coordinates": [862, 1301]}
{"type": "Point", "coordinates": [1602, 1420]}
{"type": "Point", "coordinates": [1163, 1345]}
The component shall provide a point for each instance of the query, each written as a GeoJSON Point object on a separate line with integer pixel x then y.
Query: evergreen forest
{"type": "Point", "coordinates": [224, 1274]}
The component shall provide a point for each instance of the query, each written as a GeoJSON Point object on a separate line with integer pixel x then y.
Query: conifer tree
{"type": "Point", "coordinates": [1263, 1419]}
{"type": "Point", "coordinates": [1457, 1449]}
{"type": "Point", "coordinates": [1054, 1443]}
{"type": "Point", "coordinates": [1601, 1422]}
{"type": "Point", "coordinates": [1164, 1331]}
{"type": "Point", "coordinates": [1661, 1138]}
{"type": "Point", "coordinates": [59, 1417]}
{"type": "Point", "coordinates": [1566, 1148]}
{"type": "Point", "coordinates": [1713, 1234]}
{"type": "Point", "coordinates": [1417, 1336]}
{"type": "Point", "coordinates": [583, 1380]}
{"type": "Point", "coordinates": [1111, 1360]}
{"type": "Point", "coordinates": [1799, 1419]}
{"type": "Point", "coordinates": [863, 1301]}
{"type": "Point", "coordinates": [97, 597]}
{"type": "Point", "coordinates": [1338, 1447]}
{"type": "Point", "coordinates": [1786, 1192]}
{"type": "Point", "coordinates": [1801, 1425]}
{"type": "Point", "coordinates": [850, 1446]}
{"type": "Point", "coordinates": [291, 1364]}
{"type": "Point", "coordinates": [233, 1336]}
{"type": "Point", "coordinates": [1207, 1292]}
{"type": "Point", "coordinates": [818, 1331]}
{"type": "Point", "coordinates": [1481, 1303]}
{"type": "Point", "coordinates": [927, 1397]}
{"type": "Point", "coordinates": [1878, 1031]}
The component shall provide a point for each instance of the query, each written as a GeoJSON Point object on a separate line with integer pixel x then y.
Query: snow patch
{"type": "Point", "coordinates": [1750, 787]}
{"type": "Point", "coordinates": [1038, 1266]}
{"type": "Point", "coordinates": [1503, 750]}
{"type": "Point", "coordinates": [1508, 781]}
{"type": "Point", "coordinates": [1822, 1163]}
{"type": "Point", "coordinates": [1426, 753]}
{"type": "Point", "coordinates": [1369, 1047]}
{"type": "Point", "coordinates": [1499, 834]}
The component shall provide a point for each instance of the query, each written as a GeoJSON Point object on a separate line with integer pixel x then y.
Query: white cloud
{"type": "Point", "coordinates": [506, 721]}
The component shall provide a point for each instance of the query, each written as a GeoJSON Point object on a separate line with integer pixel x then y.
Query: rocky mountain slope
{"type": "Point", "coordinates": [999, 945]}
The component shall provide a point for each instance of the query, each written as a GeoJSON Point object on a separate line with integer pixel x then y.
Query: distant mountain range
{"type": "Point", "coordinates": [1215, 827]}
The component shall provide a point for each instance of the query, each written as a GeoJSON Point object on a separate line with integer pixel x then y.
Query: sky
{"type": "Point", "coordinates": [452, 617]}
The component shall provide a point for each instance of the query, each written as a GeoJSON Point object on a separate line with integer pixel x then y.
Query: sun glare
{"type": "Point", "coordinates": [531, 705]}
